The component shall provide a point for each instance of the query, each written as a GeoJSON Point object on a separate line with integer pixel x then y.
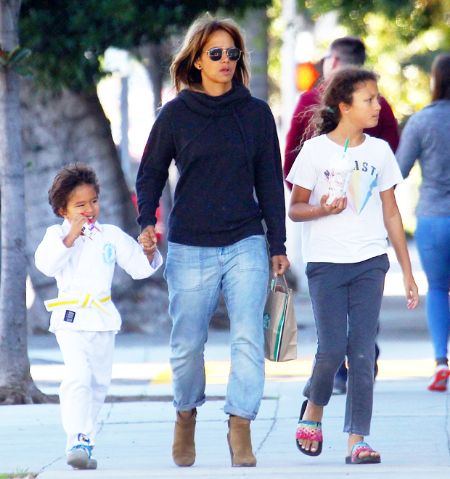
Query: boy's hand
{"type": "Point", "coordinates": [76, 225]}
{"type": "Point", "coordinates": [148, 240]}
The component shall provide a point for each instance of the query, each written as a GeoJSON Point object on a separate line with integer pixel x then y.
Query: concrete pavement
{"type": "Point", "coordinates": [411, 426]}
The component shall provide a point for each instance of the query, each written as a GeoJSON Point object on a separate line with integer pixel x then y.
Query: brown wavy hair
{"type": "Point", "coordinates": [183, 72]}
{"type": "Point", "coordinates": [66, 180]}
{"type": "Point", "coordinates": [339, 89]}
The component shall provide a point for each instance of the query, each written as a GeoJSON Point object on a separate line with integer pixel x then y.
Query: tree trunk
{"type": "Point", "coordinates": [256, 24]}
{"type": "Point", "coordinates": [62, 128]}
{"type": "Point", "coordinates": [16, 384]}
{"type": "Point", "coordinates": [156, 59]}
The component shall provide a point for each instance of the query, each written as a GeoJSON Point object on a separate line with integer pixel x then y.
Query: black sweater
{"type": "Point", "coordinates": [225, 148]}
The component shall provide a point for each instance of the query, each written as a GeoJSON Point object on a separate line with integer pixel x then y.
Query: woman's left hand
{"type": "Point", "coordinates": [280, 264]}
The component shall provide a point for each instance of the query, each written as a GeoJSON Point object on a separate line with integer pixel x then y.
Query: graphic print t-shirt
{"type": "Point", "coordinates": [358, 233]}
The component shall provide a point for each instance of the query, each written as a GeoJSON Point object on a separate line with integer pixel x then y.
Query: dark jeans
{"type": "Point", "coordinates": [342, 372]}
{"type": "Point", "coordinates": [346, 300]}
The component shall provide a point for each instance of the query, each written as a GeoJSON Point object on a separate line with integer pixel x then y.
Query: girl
{"type": "Point", "coordinates": [425, 137]}
{"type": "Point", "coordinates": [81, 254]}
{"type": "Point", "coordinates": [344, 246]}
{"type": "Point", "coordinates": [225, 146]}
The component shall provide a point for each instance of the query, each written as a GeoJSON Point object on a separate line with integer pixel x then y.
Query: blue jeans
{"type": "Point", "coordinates": [195, 277]}
{"type": "Point", "coordinates": [433, 242]}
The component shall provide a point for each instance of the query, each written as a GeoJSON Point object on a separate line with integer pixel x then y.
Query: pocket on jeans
{"type": "Point", "coordinates": [252, 254]}
{"type": "Point", "coordinates": [183, 270]}
{"type": "Point", "coordinates": [316, 267]}
{"type": "Point", "coordinates": [380, 262]}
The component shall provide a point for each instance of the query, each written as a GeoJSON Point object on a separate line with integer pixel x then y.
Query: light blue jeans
{"type": "Point", "coordinates": [433, 243]}
{"type": "Point", "coordinates": [195, 277]}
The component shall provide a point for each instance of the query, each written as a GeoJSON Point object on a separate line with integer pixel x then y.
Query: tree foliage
{"type": "Point", "coordinates": [411, 17]}
{"type": "Point", "coordinates": [68, 37]}
{"type": "Point", "coordinates": [402, 38]}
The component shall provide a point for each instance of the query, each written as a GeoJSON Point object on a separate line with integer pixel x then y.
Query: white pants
{"type": "Point", "coordinates": [88, 357]}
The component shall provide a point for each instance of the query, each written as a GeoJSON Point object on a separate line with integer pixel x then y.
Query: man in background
{"type": "Point", "coordinates": [343, 52]}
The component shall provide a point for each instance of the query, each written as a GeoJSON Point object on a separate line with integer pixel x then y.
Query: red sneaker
{"type": "Point", "coordinates": [440, 379]}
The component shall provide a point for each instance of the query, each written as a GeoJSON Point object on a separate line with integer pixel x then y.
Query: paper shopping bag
{"type": "Point", "coordinates": [280, 324]}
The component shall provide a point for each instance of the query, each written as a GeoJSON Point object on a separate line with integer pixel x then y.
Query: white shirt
{"type": "Point", "coordinates": [87, 268]}
{"type": "Point", "coordinates": [358, 233]}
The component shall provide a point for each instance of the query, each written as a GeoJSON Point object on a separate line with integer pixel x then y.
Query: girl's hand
{"type": "Point", "coordinates": [280, 264]}
{"type": "Point", "coordinates": [412, 292]}
{"type": "Point", "coordinates": [336, 207]}
{"type": "Point", "coordinates": [76, 225]}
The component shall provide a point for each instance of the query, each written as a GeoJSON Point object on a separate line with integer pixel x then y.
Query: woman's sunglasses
{"type": "Point", "coordinates": [215, 54]}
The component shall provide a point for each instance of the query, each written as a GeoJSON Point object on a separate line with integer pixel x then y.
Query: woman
{"type": "Point", "coordinates": [225, 146]}
{"type": "Point", "coordinates": [426, 138]}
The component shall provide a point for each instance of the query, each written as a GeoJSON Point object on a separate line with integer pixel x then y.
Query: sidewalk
{"type": "Point", "coordinates": [411, 426]}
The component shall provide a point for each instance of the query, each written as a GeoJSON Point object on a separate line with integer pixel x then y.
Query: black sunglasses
{"type": "Point", "coordinates": [215, 54]}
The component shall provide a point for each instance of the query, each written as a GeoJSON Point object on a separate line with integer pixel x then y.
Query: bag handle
{"type": "Point", "coordinates": [275, 282]}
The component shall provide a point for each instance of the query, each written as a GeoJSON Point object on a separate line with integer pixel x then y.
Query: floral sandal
{"type": "Point", "coordinates": [310, 431]}
{"type": "Point", "coordinates": [357, 449]}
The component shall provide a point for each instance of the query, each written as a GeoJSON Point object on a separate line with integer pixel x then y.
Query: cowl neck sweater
{"type": "Point", "coordinates": [226, 149]}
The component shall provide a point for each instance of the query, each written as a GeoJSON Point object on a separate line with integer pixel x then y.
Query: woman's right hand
{"type": "Point", "coordinates": [148, 240]}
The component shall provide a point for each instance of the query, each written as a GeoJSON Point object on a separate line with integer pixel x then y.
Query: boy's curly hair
{"type": "Point", "coordinates": [66, 181]}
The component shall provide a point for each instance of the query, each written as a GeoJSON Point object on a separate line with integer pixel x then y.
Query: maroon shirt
{"type": "Point", "coordinates": [387, 128]}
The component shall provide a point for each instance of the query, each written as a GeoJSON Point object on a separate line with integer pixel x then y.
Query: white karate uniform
{"type": "Point", "coordinates": [84, 319]}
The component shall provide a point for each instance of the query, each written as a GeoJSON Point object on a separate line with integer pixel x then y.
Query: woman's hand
{"type": "Point", "coordinates": [280, 264]}
{"type": "Point", "coordinates": [148, 240]}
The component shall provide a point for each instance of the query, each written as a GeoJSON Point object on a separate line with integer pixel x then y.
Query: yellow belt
{"type": "Point", "coordinates": [84, 301]}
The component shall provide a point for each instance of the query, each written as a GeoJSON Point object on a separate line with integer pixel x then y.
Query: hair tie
{"type": "Point", "coordinates": [330, 109]}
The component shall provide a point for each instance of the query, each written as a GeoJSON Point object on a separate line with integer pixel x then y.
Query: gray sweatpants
{"type": "Point", "coordinates": [346, 300]}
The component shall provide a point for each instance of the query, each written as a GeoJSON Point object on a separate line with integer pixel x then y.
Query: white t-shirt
{"type": "Point", "coordinates": [87, 268]}
{"type": "Point", "coordinates": [358, 233]}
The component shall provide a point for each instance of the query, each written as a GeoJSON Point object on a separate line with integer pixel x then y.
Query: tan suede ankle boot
{"type": "Point", "coordinates": [240, 442]}
{"type": "Point", "coordinates": [183, 449]}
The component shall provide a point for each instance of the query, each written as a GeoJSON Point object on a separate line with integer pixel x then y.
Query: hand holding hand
{"type": "Point", "coordinates": [149, 241]}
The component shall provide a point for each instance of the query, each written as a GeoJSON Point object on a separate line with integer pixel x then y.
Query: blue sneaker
{"type": "Point", "coordinates": [79, 457]}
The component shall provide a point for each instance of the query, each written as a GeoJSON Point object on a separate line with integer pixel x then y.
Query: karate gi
{"type": "Point", "coordinates": [84, 318]}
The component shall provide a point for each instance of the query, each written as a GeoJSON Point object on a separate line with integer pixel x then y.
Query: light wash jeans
{"type": "Point", "coordinates": [433, 243]}
{"type": "Point", "coordinates": [195, 277]}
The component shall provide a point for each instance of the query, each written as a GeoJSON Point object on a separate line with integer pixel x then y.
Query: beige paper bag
{"type": "Point", "coordinates": [280, 324]}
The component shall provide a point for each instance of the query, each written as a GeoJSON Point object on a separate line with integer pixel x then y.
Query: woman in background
{"type": "Point", "coordinates": [426, 138]}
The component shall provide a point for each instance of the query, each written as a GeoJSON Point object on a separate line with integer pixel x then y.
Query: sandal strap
{"type": "Point", "coordinates": [309, 430]}
{"type": "Point", "coordinates": [360, 447]}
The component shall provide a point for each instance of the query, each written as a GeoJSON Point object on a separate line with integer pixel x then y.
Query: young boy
{"type": "Point", "coordinates": [81, 255]}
